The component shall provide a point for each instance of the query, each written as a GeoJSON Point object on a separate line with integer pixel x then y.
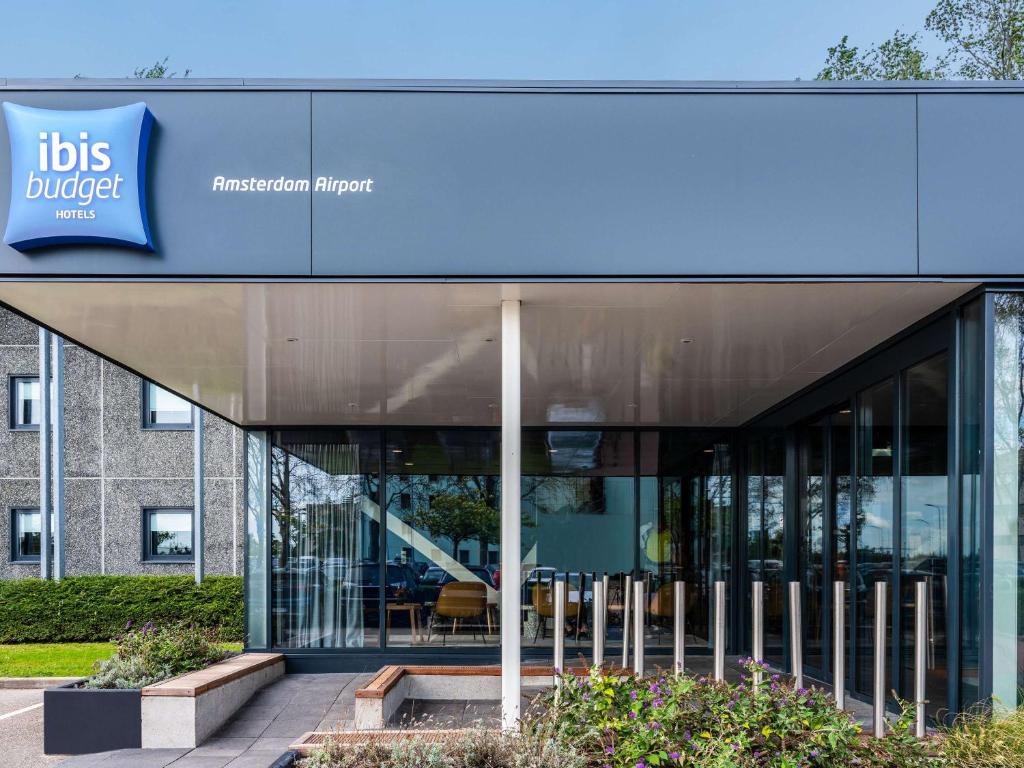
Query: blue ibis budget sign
{"type": "Point", "coordinates": [78, 177]}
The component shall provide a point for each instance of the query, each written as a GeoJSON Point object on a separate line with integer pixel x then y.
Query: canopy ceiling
{"type": "Point", "coordinates": [291, 354]}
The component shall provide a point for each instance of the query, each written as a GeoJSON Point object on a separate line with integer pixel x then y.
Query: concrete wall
{"type": "Point", "coordinates": [114, 467]}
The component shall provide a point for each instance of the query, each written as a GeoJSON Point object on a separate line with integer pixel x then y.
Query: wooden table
{"type": "Point", "coordinates": [414, 617]}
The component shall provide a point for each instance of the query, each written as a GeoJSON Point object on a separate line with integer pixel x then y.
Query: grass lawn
{"type": "Point", "coordinates": [58, 659]}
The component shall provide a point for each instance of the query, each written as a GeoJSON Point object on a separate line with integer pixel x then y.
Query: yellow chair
{"type": "Point", "coordinates": [459, 600]}
{"type": "Point", "coordinates": [544, 604]}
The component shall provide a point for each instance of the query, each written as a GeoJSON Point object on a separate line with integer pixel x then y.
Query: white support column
{"type": "Point", "coordinates": [511, 514]}
{"type": "Point", "coordinates": [198, 477]}
{"type": "Point", "coordinates": [45, 473]}
{"type": "Point", "coordinates": [58, 458]}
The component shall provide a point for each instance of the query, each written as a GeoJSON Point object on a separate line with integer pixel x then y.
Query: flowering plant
{"type": "Point", "coordinates": [622, 721]}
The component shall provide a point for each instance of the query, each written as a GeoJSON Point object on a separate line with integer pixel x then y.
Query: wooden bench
{"type": "Point", "coordinates": [378, 700]}
{"type": "Point", "coordinates": [183, 711]}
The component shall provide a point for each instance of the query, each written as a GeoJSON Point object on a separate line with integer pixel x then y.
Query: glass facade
{"type": "Point", "coordinates": [370, 538]}
{"type": "Point", "coordinates": [1007, 638]}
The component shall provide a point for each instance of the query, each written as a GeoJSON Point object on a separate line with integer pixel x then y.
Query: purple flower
{"type": "Point", "coordinates": [654, 688]}
{"type": "Point", "coordinates": [632, 715]}
{"type": "Point", "coordinates": [609, 750]}
{"type": "Point", "coordinates": [655, 725]}
{"type": "Point", "coordinates": [632, 695]}
{"type": "Point", "coordinates": [673, 755]}
{"type": "Point", "coordinates": [687, 735]}
{"type": "Point", "coordinates": [641, 764]}
{"type": "Point", "coordinates": [657, 703]}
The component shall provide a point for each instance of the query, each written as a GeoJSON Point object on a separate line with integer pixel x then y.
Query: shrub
{"type": "Point", "coordinates": [472, 749]}
{"type": "Point", "coordinates": [97, 608]}
{"type": "Point", "coordinates": [150, 654]}
{"type": "Point", "coordinates": [977, 740]}
{"type": "Point", "coordinates": [629, 722]}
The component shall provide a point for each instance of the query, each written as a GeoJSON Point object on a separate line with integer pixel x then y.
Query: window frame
{"type": "Point", "coordinates": [15, 556]}
{"type": "Point", "coordinates": [149, 424]}
{"type": "Point", "coordinates": [12, 409]}
{"type": "Point", "coordinates": [151, 557]}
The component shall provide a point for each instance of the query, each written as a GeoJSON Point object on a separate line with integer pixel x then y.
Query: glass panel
{"type": "Point", "coordinates": [755, 529]}
{"type": "Point", "coordinates": [972, 417]}
{"type": "Point", "coordinates": [165, 408]}
{"type": "Point", "coordinates": [325, 545]}
{"type": "Point", "coordinates": [257, 544]}
{"type": "Point", "coordinates": [774, 549]}
{"type": "Point", "coordinates": [812, 541]}
{"type": "Point", "coordinates": [578, 505]}
{"type": "Point", "coordinates": [841, 428]}
{"type": "Point", "coordinates": [27, 534]}
{"type": "Point", "coordinates": [685, 527]}
{"type": "Point", "coordinates": [925, 489]}
{"type": "Point", "coordinates": [1007, 517]}
{"type": "Point", "coordinates": [170, 533]}
{"type": "Point", "coordinates": [874, 520]}
{"type": "Point", "coordinates": [443, 542]}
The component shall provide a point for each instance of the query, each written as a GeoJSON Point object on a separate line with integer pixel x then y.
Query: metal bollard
{"type": "Point", "coordinates": [719, 630]}
{"type": "Point", "coordinates": [639, 599]}
{"type": "Point", "coordinates": [757, 625]}
{"type": "Point", "coordinates": [796, 650]}
{"type": "Point", "coordinates": [920, 653]}
{"type": "Point", "coordinates": [604, 580]}
{"type": "Point", "coordinates": [879, 688]}
{"type": "Point", "coordinates": [559, 598]}
{"type": "Point", "coordinates": [679, 627]}
{"type": "Point", "coordinates": [627, 626]}
{"type": "Point", "coordinates": [598, 623]}
{"type": "Point", "coordinates": [839, 643]}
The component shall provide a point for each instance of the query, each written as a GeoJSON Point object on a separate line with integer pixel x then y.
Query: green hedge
{"type": "Point", "coordinates": [97, 608]}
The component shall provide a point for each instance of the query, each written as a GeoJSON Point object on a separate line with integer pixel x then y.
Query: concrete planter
{"type": "Point", "coordinates": [180, 713]}
{"type": "Point", "coordinates": [78, 721]}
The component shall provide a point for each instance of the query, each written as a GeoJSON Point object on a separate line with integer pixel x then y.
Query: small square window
{"type": "Point", "coordinates": [167, 535]}
{"type": "Point", "coordinates": [25, 535]}
{"type": "Point", "coordinates": [164, 410]}
{"type": "Point", "coordinates": [24, 402]}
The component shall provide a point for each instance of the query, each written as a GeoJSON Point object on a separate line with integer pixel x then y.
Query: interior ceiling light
{"type": "Point", "coordinates": [408, 463]}
{"type": "Point", "coordinates": [686, 340]}
{"type": "Point", "coordinates": [396, 450]}
{"type": "Point", "coordinates": [292, 338]}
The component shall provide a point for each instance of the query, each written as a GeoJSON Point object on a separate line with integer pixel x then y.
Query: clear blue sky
{"type": "Point", "coordinates": [535, 39]}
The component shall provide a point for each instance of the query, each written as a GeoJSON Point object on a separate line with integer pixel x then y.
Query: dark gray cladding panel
{"type": "Point", "coordinates": [606, 184]}
{"type": "Point", "coordinates": [972, 184]}
{"type": "Point", "coordinates": [197, 135]}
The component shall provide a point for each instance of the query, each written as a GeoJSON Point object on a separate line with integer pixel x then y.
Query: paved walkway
{"type": "Point", "coordinates": [259, 733]}
{"type": "Point", "coordinates": [21, 729]}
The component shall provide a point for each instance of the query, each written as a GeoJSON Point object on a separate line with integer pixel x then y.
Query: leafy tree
{"type": "Point", "coordinates": [157, 71]}
{"type": "Point", "coordinates": [984, 40]}
{"type": "Point", "coordinates": [898, 58]}
{"type": "Point", "coordinates": [458, 517]}
{"type": "Point", "coordinates": [985, 37]}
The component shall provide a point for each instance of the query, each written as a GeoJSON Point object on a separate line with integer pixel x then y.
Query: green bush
{"type": "Point", "coordinates": [98, 608]}
{"type": "Point", "coordinates": [149, 654]}
{"type": "Point", "coordinates": [655, 722]}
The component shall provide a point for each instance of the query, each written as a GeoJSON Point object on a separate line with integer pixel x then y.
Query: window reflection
{"type": "Point", "coordinates": [925, 489]}
{"type": "Point", "coordinates": [443, 537]}
{"type": "Point", "coordinates": [325, 554]}
{"type": "Point", "coordinates": [578, 497]}
{"type": "Point", "coordinates": [874, 520]}
{"type": "Point", "coordinates": [685, 527]}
